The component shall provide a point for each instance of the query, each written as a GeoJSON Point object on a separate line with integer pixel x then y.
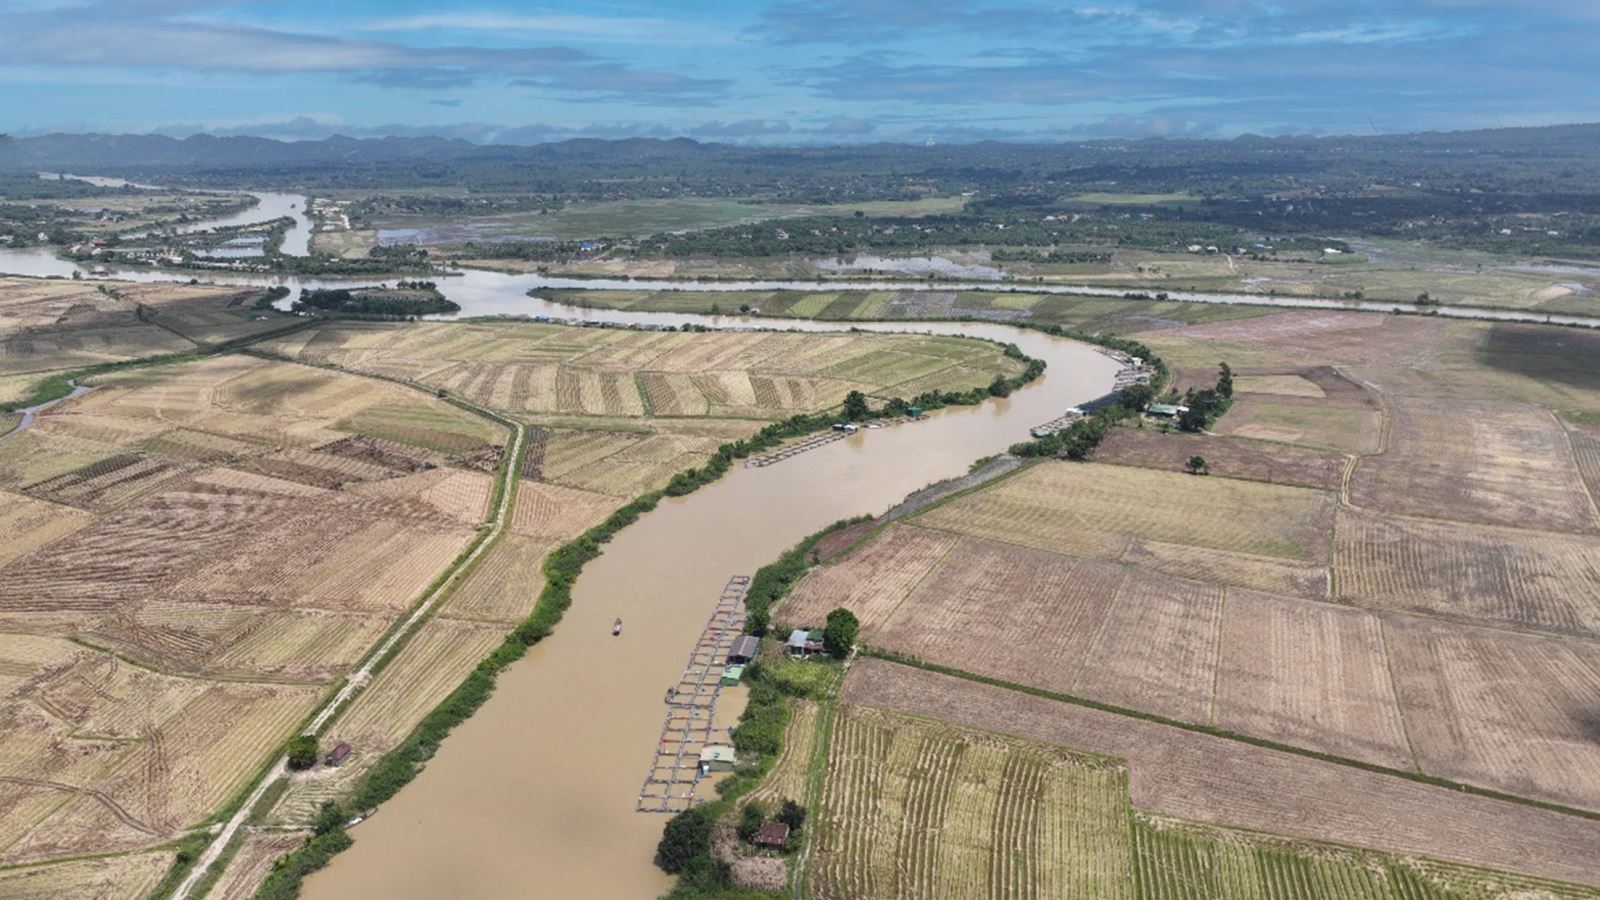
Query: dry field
{"type": "Point", "coordinates": [1304, 673]}
{"type": "Point", "coordinates": [54, 324]}
{"type": "Point", "coordinates": [1511, 711]}
{"type": "Point", "coordinates": [1286, 341]}
{"type": "Point", "coordinates": [621, 411]}
{"type": "Point", "coordinates": [1197, 777]}
{"type": "Point", "coordinates": [557, 513]}
{"type": "Point", "coordinates": [1229, 457]}
{"type": "Point", "coordinates": [1263, 573]}
{"type": "Point", "coordinates": [1316, 423]}
{"type": "Point", "coordinates": [253, 862]}
{"type": "Point", "coordinates": [1094, 510]}
{"type": "Point", "coordinates": [435, 661]}
{"type": "Point", "coordinates": [787, 779]}
{"type": "Point", "coordinates": [103, 756]}
{"type": "Point", "coordinates": [1586, 450]}
{"type": "Point", "coordinates": [48, 325]}
{"type": "Point", "coordinates": [505, 582]}
{"type": "Point", "coordinates": [872, 581]}
{"type": "Point", "coordinates": [1180, 860]}
{"type": "Point", "coordinates": [1522, 577]}
{"type": "Point", "coordinates": [221, 519]}
{"type": "Point", "coordinates": [1478, 462]}
{"type": "Point", "coordinates": [1286, 666]}
{"type": "Point", "coordinates": [1315, 408]}
{"type": "Point", "coordinates": [1470, 513]}
{"type": "Point", "coordinates": [1312, 675]}
{"type": "Point", "coordinates": [1089, 313]}
{"type": "Point", "coordinates": [554, 370]}
{"type": "Point", "coordinates": [1004, 609]}
{"type": "Point", "coordinates": [126, 877]}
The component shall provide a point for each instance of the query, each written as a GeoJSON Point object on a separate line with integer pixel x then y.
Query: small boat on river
{"type": "Point", "coordinates": [616, 627]}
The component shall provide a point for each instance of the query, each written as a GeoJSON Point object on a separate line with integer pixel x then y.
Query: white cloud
{"type": "Point", "coordinates": [601, 29]}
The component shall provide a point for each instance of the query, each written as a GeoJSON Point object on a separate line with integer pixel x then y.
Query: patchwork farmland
{"type": "Point", "coordinates": [1380, 584]}
{"type": "Point", "coordinates": [1200, 778]}
{"type": "Point", "coordinates": [620, 411]}
{"type": "Point", "coordinates": [920, 807]}
{"type": "Point", "coordinates": [198, 552]}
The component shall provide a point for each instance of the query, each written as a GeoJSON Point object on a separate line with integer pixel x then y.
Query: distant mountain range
{"type": "Point", "coordinates": [1553, 159]}
{"type": "Point", "coordinates": [64, 151]}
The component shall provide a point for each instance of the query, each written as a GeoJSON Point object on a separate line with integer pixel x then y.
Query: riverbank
{"type": "Point", "coordinates": [569, 816]}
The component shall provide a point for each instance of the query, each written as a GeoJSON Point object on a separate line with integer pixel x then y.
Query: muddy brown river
{"type": "Point", "coordinates": [534, 796]}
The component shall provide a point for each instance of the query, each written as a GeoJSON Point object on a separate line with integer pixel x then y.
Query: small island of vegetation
{"type": "Point", "coordinates": [407, 298]}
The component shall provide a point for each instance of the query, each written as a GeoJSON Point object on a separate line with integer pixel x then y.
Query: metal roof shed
{"type": "Point", "coordinates": [717, 758]}
{"type": "Point", "coordinates": [745, 648]}
{"type": "Point", "coordinates": [772, 834]}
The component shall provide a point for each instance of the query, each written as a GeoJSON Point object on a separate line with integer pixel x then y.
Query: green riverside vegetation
{"type": "Point", "coordinates": [685, 848]}
{"type": "Point", "coordinates": [764, 717]}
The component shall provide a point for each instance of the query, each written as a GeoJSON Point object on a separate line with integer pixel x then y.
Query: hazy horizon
{"type": "Point", "coordinates": [789, 73]}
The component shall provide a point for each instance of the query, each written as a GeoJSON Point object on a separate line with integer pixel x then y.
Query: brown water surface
{"type": "Point", "coordinates": [534, 796]}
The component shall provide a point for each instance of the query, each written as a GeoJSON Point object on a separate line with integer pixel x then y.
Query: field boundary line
{"type": "Point", "coordinates": [150, 319]}
{"type": "Point", "coordinates": [174, 673]}
{"type": "Point", "coordinates": [375, 659]}
{"type": "Point", "coordinates": [1394, 689]}
{"type": "Point", "coordinates": [1105, 621]}
{"type": "Point", "coordinates": [1583, 483]}
{"type": "Point", "coordinates": [918, 583]}
{"type": "Point", "coordinates": [1216, 664]}
{"type": "Point", "coordinates": [1225, 734]}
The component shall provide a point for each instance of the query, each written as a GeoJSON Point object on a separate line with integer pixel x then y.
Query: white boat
{"type": "Point", "coordinates": [616, 627]}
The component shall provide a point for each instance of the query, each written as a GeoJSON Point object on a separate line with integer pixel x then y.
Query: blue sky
{"type": "Point", "coordinates": [826, 71]}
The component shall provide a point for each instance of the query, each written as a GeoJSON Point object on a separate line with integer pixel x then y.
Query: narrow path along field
{"type": "Point", "coordinates": [1285, 546]}
{"type": "Point", "coordinates": [359, 678]}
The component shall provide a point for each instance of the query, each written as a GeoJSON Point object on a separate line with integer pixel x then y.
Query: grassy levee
{"type": "Point", "coordinates": [561, 570]}
{"type": "Point", "coordinates": [1213, 731]}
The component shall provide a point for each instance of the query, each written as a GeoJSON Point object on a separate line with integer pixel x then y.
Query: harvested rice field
{"type": "Point", "coordinates": [528, 368]}
{"type": "Point", "coordinates": [1229, 457]}
{"type": "Point", "coordinates": [915, 807]}
{"type": "Point", "coordinates": [127, 877]}
{"type": "Point", "coordinates": [1093, 510]}
{"type": "Point", "coordinates": [194, 554]}
{"type": "Point", "coordinates": [787, 780]}
{"type": "Point", "coordinates": [1200, 778]}
{"type": "Point", "coordinates": [1218, 638]}
{"type": "Point", "coordinates": [431, 665]}
{"type": "Point", "coordinates": [1498, 464]}
{"type": "Point", "coordinates": [1520, 577]}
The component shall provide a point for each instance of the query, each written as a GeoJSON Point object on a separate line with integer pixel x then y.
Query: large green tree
{"type": "Point", "coordinates": [839, 634]}
{"type": "Point", "coordinates": [303, 752]}
{"type": "Point", "coordinates": [687, 835]}
{"type": "Point", "coordinates": [855, 406]}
